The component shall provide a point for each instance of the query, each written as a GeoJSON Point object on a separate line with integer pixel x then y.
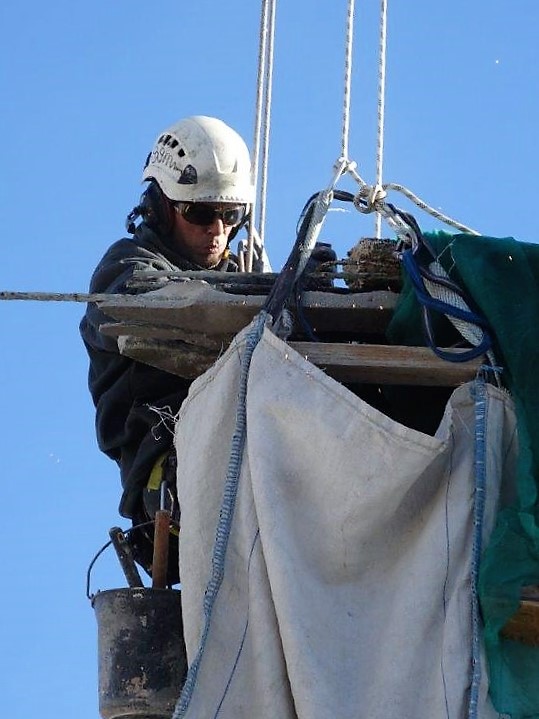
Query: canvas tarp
{"type": "Point", "coordinates": [501, 277]}
{"type": "Point", "coordinates": [346, 584]}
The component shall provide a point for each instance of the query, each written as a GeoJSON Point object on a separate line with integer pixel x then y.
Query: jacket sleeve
{"type": "Point", "coordinates": [135, 403]}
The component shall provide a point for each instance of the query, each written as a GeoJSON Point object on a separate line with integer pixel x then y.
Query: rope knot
{"type": "Point", "coordinates": [343, 165]}
{"type": "Point", "coordinates": [370, 198]}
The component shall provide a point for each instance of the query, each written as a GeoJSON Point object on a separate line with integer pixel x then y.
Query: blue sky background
{"type": "Point", "coordinates": [86, 87]}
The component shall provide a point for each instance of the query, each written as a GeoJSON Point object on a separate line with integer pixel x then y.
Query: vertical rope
{"type": "Point", "coordinates": [267, 123]}
{"type": "Point", "coordinates": [263, 98]}
{"type": "Point", "coordinates": [263, 36]}
{"type": "Point", "coordinates": [347, 80]}
{"type": "Point", "coordinates": [381, 106]}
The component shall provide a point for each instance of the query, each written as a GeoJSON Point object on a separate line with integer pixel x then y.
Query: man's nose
{"type": "Point", "coordinates": [217, 226]}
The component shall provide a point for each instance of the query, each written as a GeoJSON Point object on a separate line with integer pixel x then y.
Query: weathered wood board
{"type": "Point", "coordinates": [195, 306]}
{"type": "Point", "coordinates": [352, 363]}
{"type": "Point", "coordinates": [183, 327]}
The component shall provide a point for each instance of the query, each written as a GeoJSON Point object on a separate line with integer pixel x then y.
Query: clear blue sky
{"type": "Point", "coordinates": [86, 87]}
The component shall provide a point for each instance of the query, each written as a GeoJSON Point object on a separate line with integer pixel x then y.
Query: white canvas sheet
{"type": "Point", "coordinates": [346, 590]}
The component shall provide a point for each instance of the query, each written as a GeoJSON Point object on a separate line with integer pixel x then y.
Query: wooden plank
{"type": "Point", "coordinates": [195, 306]}
{"type": "Point", "coordinates": [164, 332]}
{"type": "Point", "coordinates": [178, 358]}
{"type": "Point", "coordinates": [386, 364]}
{"type": "Point", "coordinates": [351, 363]}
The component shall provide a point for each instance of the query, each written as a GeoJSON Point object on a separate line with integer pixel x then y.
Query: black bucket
{"type": "Point", "coordinates": [142, 660]}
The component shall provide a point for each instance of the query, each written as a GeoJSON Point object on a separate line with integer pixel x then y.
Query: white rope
{"type": "Point", "coordinates": [258, 121]}
{"type": "Point", "coordinates": [267, 123]}
{"type": "Point", "coordinates": [472, 333]}
{"type": "Point", "coordinates": [347, 80]}
{"type": "Point", "coordinates": [429, 209]}
{"type": "Point", "coordinates": [320, 211]}
{"type": "Point", "coordinates": [371, 198]}
{"type": "Point", "coordinates": [381, 106]}
{"type": "Point", "coordinates": [342, 164]}
{"type": "Point", "coordinates": [263, 101]}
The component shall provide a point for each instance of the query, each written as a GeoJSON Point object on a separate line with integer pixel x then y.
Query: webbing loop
{"type": "Point", "coordinates": [429, 304]}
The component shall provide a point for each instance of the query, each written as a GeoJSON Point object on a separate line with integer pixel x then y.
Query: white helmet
{"type": "Point", "coordinates": [201, 159]}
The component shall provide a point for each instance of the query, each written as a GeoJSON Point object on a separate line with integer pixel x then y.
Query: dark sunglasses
{"type": "Point", "coordinates": [199, 213]}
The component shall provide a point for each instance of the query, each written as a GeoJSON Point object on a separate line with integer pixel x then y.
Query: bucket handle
{"type": "Point", "coordinates": [130, 572]}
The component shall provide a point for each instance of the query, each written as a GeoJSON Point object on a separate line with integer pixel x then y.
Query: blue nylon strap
{"type": "Point", "coordinates": [480, 470]}
{"type": "Point", "coordinates": [431, 304]}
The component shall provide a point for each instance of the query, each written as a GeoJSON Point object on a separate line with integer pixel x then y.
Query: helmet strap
{"type": "Point", "coordinates": [242, 224]}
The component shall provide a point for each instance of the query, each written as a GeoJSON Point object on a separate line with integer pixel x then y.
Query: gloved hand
{"type": "Point", "coordinates": [322, 252]}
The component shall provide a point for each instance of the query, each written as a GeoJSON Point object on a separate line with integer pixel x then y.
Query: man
{"type": "Point", "coordinates": [198, 196]}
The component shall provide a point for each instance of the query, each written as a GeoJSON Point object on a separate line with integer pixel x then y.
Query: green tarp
{"type": "Point", "coordinates": [501, 276]}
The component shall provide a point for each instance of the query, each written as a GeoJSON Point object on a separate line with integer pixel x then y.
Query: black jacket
{"type": "Point", "coordinates": [122, 389]}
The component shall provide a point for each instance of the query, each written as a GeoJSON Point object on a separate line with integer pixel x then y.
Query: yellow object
{"type": "Point", "coordinates": [156, 475]}
{"type": "Point", "coordinates": [154, 485]}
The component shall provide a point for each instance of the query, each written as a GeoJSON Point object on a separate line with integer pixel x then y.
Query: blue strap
{"type": "Point", "coordinates": [226, 514]}
{"type": "Point", "coordinates": [431, 304]}
{"type": "Point", "coordinates": [480, 470]}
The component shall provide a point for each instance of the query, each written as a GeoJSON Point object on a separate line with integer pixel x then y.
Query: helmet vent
{"type": "Point", "coordinates": [168, 140]}
{"type": "Point", "coordinates": [189, 176]}
{"type": "Point", "coordinates": [181, 152]}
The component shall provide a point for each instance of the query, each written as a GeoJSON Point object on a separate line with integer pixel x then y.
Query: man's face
{"type": "Point", "coordinates": [201, 230]}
